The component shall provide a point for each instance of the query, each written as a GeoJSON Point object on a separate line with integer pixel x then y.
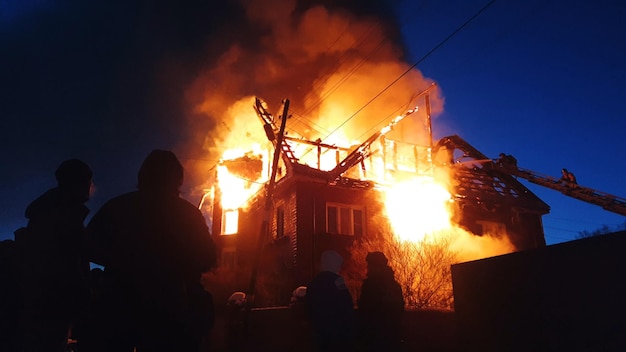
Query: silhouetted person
{"type": "Point", "coordinates": [568, 178]}
{"type": "Point", "coordinates": [507, 161]}
{"type": "Point", "coordinates": [330, 307]}
{"type": "Point", "coordinates": [380, 306]}
{"type": "Point", "coordinates": [89, 322]}
{"type": "Point", "coordinates": [9, 296]}
{"type": "Point", "coordinates": [154, 246]}
{"type": "Point", "coordinates": [236, 328]}
{"type": "Point", "coordinates": [53, 265]}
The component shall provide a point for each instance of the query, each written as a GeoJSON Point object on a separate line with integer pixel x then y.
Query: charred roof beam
{"type": "Point", "coordinates": [363, 151]}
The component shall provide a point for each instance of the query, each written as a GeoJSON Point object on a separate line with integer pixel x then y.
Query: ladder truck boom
{"type": "Point", "coordinates": [607, 201]}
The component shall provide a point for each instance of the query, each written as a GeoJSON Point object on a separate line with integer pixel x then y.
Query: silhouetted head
{"type": "Point", "coordinates": [160, 172]}
{"type": "Point", "coordinates": [376, 259]}
{"type": "Point", "coordinates": [331, 261]}
{"type": "Point", "coordinates": [74, 177]}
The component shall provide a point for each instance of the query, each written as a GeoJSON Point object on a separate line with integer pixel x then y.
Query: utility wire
{"type": "Point", "coordinates": [435, 48]}
{"type": "Point", "coordinates": [376, 48]}
{"type": "Point", "coordinates": [344, 78]}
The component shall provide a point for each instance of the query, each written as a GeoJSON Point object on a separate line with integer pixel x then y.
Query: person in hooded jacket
{"type": "Point", "coordinates": [154, 247]}
{"type": "Point", "coordinates": [53, 269]}
{"type": "Point", "coordinates": [329, 307]}
{"type": "Point", "coordinates": [380, 306]}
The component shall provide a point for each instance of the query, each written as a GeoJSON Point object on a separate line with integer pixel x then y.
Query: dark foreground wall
{"type": "Point", "coordinates": [283, 329]}
{"type": "Point", "coordinates": [565, 297]}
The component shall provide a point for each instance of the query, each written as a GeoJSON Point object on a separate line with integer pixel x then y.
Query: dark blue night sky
{"type": "Point", "coordinates": [542, 80]}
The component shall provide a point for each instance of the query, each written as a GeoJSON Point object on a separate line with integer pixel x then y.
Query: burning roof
{"type": "Point", "coordinates": [476, 182]}
{"type": "Point", "coordinates": [328, 58]}
{"type": "Point", "coordinates": [345, 73]}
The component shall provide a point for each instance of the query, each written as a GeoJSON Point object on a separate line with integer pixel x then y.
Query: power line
{"type": "Point", "coordinates": [345, 77]}
{"type": "Point", "coordinates": [560, 229]}
{"type": "Point", "coordinates": [579, 221]}
{"type": "Point", "coordinates": [435, 48]}
{"type": "Point", "coordinates": [355, 44]}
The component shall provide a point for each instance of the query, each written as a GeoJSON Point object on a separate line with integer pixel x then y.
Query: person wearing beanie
{"type": "Point", "coordinates": [331, 261]}
{"type": "Point", "coordinates": [380, 306]}
{"type": "Point", "coordinates": [376, 259]}
{"type": "Point", "coordinates": [329, 306]}
{"type": "Point", "coordinates": [53, 268]}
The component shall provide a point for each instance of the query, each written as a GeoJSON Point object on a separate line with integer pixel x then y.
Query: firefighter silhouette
{"type": "Point", "coordinates": [568, 178]}
{"type": "Point", "coordinates": [506, 161]}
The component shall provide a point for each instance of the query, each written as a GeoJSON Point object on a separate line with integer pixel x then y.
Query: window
{"type": "Point", "coordinates": [344, 219]}
{"type": "Point", "coordinates": [280, 222]}
{"type": "Point", "coordinates": [230, 222]}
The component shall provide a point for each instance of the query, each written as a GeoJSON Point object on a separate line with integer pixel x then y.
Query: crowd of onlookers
{"type": "Point", "coordinates": [153, 246]}
{"type": "Point", "coordinates": [150, 248]}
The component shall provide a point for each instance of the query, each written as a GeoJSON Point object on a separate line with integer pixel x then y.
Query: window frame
{"type": "Point", "coordinates": [280, 222]}
{"type": "Point", "coordinates": [346, 219]}
{"type": "Point", "coordinates": [225, 229]}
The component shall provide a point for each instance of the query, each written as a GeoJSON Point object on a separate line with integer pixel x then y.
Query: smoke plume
{"type": "Point", "coordinates": [340, 63]}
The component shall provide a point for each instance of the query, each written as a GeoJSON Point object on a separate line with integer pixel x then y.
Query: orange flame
{"type": "Point", "coordinates": [417, 207]}
{"type": "Point", "coordinates": [237, 188]}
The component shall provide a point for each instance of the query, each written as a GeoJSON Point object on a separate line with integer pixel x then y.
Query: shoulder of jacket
{"type": "Point", "coordinates": [340, 283]}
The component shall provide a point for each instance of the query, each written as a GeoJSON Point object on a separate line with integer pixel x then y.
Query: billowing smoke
{"type": "Point", "coordinates": [340, 64]}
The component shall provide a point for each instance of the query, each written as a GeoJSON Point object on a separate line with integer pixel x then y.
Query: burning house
{"type": "Point", "coordinates": [351, 159]}
{"type": "Point", "coordinates": [274, 211]}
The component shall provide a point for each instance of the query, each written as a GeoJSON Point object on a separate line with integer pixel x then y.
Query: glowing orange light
{"type": "Point", "coordinates": [230, 221]}
{"type": "Point", "coordinates": [237, 188]}
{"type": "Point", "coordinates": [417, 207]}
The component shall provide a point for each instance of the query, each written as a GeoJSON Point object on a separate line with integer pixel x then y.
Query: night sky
{"type": "Point", "coordinates": [107, 82]}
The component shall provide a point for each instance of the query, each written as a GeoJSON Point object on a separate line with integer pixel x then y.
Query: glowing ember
{"type": "Point", "coordinates": [417, 207]}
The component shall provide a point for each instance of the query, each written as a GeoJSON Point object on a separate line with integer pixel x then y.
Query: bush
{"type": "Point", "coordinates": [422, 269]}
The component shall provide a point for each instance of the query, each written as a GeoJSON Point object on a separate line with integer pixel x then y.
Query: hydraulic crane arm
{"type": "Point", "coordinates": [605, 200]}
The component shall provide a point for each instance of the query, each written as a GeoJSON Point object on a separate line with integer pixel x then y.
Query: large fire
{"type": "Point", "coordinates": [237, 187]}
{"type": "Point", "coordinates": [346, 80]}
{"type": "Point", "coordinates": [415, 207]}
{"type": "Point", "coordinates": [418, 207]}
{"type": "Point", "coordinates": [240, 175]}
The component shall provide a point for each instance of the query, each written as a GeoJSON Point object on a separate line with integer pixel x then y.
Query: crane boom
{"type": "Point", "coordinates": [607, 201]}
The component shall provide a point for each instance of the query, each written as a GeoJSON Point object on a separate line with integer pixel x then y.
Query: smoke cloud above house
{"type": "Point", "coordinates": [341, 66]}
